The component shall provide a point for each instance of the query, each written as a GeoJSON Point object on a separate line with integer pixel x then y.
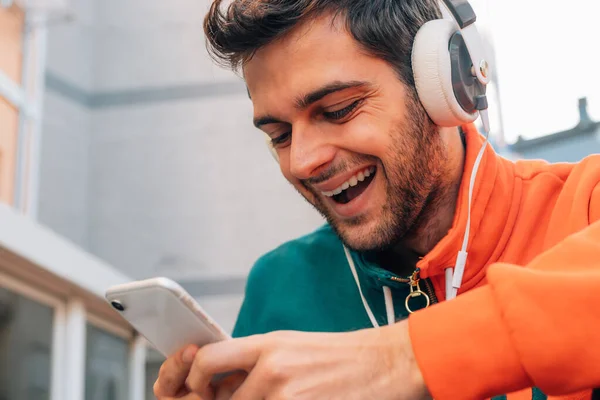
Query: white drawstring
{"type": "Point", "coordinates": [389, 305]}
{"type": "Point", "coordinates": [448, 280]}
{"type": "Point", "coordinates": [365, 304]}
{"type": "Point", "coordinates": [387, 295]}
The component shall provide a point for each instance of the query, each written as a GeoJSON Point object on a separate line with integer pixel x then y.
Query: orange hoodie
{"type": "Point", "coordinates": [528, 312]}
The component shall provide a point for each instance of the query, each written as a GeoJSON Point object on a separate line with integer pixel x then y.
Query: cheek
{"type": "Point", "coordinates": [367, 134]}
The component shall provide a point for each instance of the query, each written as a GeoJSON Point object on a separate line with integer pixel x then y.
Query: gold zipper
{"type": "Point", "coordinates": [415, 290]}
{"type": "Point", "coordinates": [430, 291]}
{"type": "Point", "coordinates": [401, 280]}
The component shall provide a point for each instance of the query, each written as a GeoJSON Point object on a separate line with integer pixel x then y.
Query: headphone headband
{"type": "Point", "coordinates": [461, 12]}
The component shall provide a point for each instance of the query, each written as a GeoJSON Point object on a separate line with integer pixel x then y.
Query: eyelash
{"type": "Point", "coordinates": [280, 139]}
{"type": "Point", "coordinates": [334, 115]}
{"type": "Point", "coordinates": [339, 114]}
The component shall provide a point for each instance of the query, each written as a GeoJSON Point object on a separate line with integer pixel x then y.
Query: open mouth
{"type": "Point", "coordinates": [353, 187]}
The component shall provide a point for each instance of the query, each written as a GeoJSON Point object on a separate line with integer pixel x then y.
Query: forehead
{"type": "Point", "coordinates": [314, 54]}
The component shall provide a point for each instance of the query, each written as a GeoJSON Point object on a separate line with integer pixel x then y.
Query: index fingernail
{"type": "Point", "coordinates": [188, 355]}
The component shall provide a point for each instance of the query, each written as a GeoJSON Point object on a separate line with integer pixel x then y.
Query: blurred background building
{"type": "Point", "coordinates": [126, 154]}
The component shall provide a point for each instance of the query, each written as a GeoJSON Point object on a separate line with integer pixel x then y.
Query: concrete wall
{"type": "Point", "coordinates": [66, 129]}
{"type": "Point", "coordinates": [188, 189]}
{"type": "Point", "coordinates": [180, 181]}
{"type": "Point", "coordinates": [64, 174]}
{"type": "Point", "coordinates": [150, 160]}
{"type": "Point", "coordinates": [152, 43]}
{"type": "Point", "coordinates": [569, 150]}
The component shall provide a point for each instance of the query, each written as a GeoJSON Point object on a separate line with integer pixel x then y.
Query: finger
{"type": "Point", "coordinates": [189, 396]}
{"type": "Point", "coordinates": [229, 385]}
{"type": "Point", "coordinates": [173, 372]}
{"type": "Point", "coordinates": [225, 356]}
{"type": "Point", "coordinates": [252, 388]}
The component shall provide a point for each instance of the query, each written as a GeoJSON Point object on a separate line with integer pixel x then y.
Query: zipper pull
{"type": "Point", "coordinates": [415, 291]}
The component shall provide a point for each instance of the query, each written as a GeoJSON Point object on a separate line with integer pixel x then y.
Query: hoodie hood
{"type": "Point", "coordinates": [493, 214]}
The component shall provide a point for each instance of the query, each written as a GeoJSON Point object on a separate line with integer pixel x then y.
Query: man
{"type": "Point", "coordinates": [332, 86]}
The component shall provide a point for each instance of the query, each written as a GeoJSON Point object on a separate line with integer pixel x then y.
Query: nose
{"type": "Point", "coordinates": [310, 152]}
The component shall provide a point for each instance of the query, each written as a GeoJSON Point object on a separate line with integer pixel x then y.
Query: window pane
{"type": "Point", "coordinates": [25, 348]}
{"type": "Point", "coordinates": [11, 39]}
{"type": "Point", "coordinates": [153, 362]}
{"type": "Point", "coordinates": [9, 123]}
{"type": "Point", "coordinates": [106, 366]}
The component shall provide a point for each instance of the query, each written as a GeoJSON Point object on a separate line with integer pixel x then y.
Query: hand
{"type": "Point", "coordinates": [368, 364]}
{"type": "Point", "coordinates": [170, 384]}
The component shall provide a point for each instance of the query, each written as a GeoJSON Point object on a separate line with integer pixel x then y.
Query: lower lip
{"type": "Point", "coordinates": [356, 206]}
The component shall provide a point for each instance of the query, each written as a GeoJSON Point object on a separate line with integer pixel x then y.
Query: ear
{"type": "Point", "coordinates": [432, 70]}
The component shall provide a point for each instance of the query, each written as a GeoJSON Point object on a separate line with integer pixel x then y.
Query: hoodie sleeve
{"type": "Point", "coordinates": [536, 326]}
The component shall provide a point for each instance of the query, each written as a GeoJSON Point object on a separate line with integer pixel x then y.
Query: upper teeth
{"type": "Point", "coordinates": [353, 181]}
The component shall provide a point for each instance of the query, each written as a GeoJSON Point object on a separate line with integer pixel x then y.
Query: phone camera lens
{"type": "Point", "coordinates": [117, 305]}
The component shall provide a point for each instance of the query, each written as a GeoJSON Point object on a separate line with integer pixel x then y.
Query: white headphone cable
{"type": "Point", "coordinates": [454, 279]}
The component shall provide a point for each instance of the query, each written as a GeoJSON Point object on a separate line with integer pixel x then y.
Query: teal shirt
{"type": "Point", "coordinates": [307, 285]}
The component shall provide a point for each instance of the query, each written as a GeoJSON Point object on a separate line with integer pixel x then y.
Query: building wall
{"type": "Point", "coordinates": [71, 48]}
{"type": "Point", "coordinates": [150, 160]}
{"type": "Point", "coordinates": [66, 129]}
{"type": "Point", "coordinates": [180, 182]}
{"type": "Point", "coordinates": [11, 33]}
{"type": "Point", "coordinates": [188, 189]}
{"type": "Point", "coordinates": [569, 150]}
{"type": "Point", "coordinates": [64, 174]}
{"type": "Point", "coordinates": [152, 43]}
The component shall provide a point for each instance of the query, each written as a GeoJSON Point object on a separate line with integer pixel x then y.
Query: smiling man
{"type": "Point", "coordinates": [332, 85]}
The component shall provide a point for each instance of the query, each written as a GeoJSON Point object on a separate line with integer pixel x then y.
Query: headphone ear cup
{"type": "Point", "coordinates": [271, 148]}
{"type": "Point", "coordinates": [432, 70]}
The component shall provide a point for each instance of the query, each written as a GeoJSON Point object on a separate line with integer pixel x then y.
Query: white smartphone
{"type": "Point", "coordinates": [165, 314]}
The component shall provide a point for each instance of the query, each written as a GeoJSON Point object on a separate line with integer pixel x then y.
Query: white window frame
{"type": "Point", "coordinates": [48, 252]}
{"type": "Point", "coordinates": [137, 371]}
{"type": "Point", "coordinates": [30, 123]}
{"type": "Point", "coordinates": [70, 317]}
{"type": "Point", "coordinates": [27, 98]}
{"type": "Point", "coordinates": [57, 378]}
{"type": "Point", "coordinates": [15, 95]}
{"type": "Point", "coordinates": [137, 354]}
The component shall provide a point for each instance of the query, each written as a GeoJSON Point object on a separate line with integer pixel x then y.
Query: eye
{"type": "Point", "coordinates": [281, 139]}
{"type": "Point", "coordinates": [339, 114]}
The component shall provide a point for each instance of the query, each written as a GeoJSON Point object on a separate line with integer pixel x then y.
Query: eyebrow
{"type": "Point", "coordinates": [265, 120]}
{"type": "Point", "coordinates": [316, 95]}
{"type": "Point", "coordinates": [310, 98]}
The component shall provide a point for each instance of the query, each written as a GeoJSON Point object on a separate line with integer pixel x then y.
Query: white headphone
{"type": "Point", "coordinates": [449, 68]}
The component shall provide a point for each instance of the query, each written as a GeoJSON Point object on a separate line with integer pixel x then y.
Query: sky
{"type": "Point", "coordinates": [547, 57]}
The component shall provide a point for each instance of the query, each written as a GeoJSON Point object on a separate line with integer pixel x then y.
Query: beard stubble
{"type": "Point", "coordinates": [413, 183]}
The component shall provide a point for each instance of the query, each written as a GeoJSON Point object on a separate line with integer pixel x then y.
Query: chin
{"type": "Point", "coordinates": [361, 233]}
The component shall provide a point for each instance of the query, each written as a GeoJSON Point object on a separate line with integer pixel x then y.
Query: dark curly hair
{"type": "Point", "coordinates": [384, 28]}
